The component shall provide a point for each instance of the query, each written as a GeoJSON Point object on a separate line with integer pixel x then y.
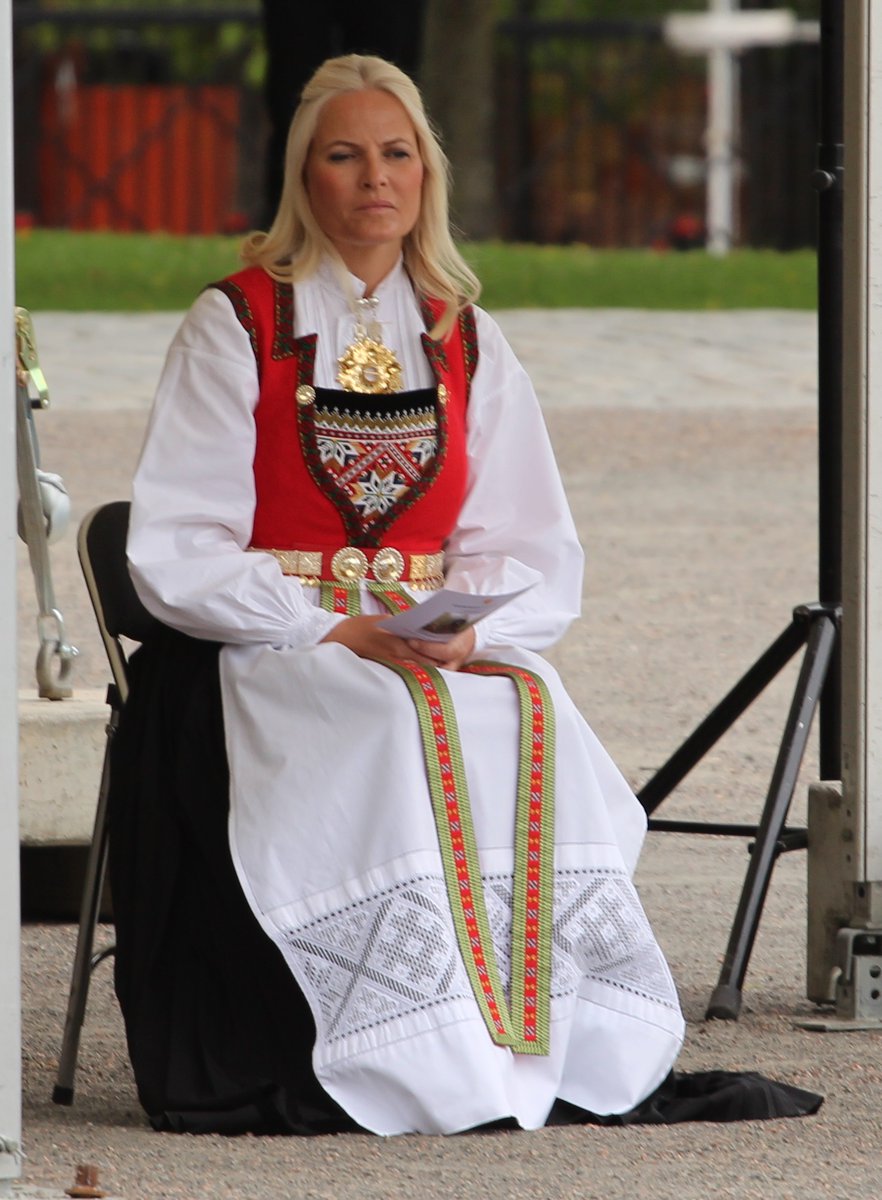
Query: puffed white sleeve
{"type": "Point", "coordinates": [193, 496]}
{"type": "Point", "coordinates": [515, 528]}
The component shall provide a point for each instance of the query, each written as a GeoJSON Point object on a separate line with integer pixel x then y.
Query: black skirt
{"type": "Point", "coordinates": [219, 1035]}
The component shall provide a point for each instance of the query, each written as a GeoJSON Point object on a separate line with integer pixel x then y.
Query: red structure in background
{"type": "Point", "coordinates": [139, 157]}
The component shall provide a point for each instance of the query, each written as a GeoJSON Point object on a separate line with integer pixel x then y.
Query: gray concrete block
{"type": "Point", "coordinates": [61, 750]}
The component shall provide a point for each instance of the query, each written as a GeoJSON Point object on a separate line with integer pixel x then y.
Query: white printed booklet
{"type": "Point", "coordinates": [445, 614]}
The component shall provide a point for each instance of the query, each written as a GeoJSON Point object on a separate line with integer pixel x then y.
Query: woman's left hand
{"type": "Point", "coordinates": [449, 655]}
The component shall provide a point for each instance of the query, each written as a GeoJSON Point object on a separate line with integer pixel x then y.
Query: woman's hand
{"type": "Point", "coordinates": [449, 655]}
{"type": "Point", "coordinates": [364, 637]}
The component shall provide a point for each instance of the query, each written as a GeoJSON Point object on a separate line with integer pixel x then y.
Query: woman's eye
{"type": "Point", "coordinates": [339, 156]}
{"type": "Point", "coordinates": [399, 154]}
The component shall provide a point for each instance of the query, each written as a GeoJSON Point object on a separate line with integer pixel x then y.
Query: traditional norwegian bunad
{"type": "Point", "coordinates": [440, 862]}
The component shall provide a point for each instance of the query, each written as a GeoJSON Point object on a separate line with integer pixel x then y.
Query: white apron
{"type": "Point", "coordinates": [331, 827]}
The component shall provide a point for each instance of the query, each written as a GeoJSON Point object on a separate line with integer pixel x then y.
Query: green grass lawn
{"type": "Point", "coordinates": [79, 272]}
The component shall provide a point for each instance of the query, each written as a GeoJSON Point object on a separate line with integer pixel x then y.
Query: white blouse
{"type": "Point", "coordinates": [194, 493]}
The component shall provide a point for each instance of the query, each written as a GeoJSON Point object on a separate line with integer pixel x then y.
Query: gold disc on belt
{"type": "Point", "coordinates": [349, 565]}
{"type": "Point", "coordinates": [369, 366]}
{"type": "Point", "coordinates": [388, 565]}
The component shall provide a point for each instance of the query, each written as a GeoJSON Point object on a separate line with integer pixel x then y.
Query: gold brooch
{"type": "Point", "coordinates": [367, 365]}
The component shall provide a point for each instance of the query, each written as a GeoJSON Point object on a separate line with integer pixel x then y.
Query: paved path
{"type": "Point", "coordinates": [688, 445]}
{"type": "Point", "coordinates": [621, 358]}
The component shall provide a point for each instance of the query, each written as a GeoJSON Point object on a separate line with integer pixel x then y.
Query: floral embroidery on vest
{"type": "Point", "coordinates": [376, 456]}
{"type": "Point", "coordinates": [373, 457]}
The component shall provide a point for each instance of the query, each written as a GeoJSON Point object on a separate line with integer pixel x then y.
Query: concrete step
{"type": "Point", "coordinates": [61, 751]}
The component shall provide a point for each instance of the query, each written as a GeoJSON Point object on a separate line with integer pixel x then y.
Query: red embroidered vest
{"type": "Point", "coordinates": [299, 504]}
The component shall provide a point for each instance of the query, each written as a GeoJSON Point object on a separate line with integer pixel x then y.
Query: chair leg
{"type": "Point", "coordinates": [84, 960]}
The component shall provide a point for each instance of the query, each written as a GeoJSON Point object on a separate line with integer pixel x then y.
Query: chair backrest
{"type": "Point", "coordinates": [101, 545]}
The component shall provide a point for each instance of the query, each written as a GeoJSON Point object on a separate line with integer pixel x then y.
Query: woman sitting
{"type": "Point", "coordinates": [363, 879]}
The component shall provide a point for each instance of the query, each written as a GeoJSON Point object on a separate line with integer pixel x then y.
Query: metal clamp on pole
{"type": "Point", "coordinates": [859, 975]}
{"type": "Point", "coordinates": [855, 979]}
{"type": "Point", "coordinates": [43, 514]}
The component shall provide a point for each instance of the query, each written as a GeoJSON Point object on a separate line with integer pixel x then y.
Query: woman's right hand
{"type": "Point", "coordinates": [364, 637]}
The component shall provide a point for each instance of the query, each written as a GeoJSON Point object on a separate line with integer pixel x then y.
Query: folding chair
{"type": "Point", "coordinates": [101, 545]}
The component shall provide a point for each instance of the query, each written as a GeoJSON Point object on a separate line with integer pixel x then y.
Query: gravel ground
{"type": "Point", "coordinates": [688, 445]}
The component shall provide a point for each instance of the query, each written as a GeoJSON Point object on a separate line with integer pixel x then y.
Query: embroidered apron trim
{"type": "Point", "coordinates": [525, 1026]}
{"type": "Point", "coordinates": [459, 855]}
{"type": "Point", "coordinates": [534, 855]}
{"type": "Point", "coordinates": [392, 595]}
{"type": "Point", "coordinates": [341, 598]}
{"type": "Point", "coordinates": [345, 598]}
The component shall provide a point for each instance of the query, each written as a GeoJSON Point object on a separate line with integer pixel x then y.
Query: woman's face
{"type": "Point", "coordinates": [363, 173]}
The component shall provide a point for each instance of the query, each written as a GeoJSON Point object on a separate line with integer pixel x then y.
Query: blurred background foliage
{"type": "Point", "coordinates": [162, 50]}
{"type": "Point", "coordinates": [190, 55]}
{"type": "Point", "coordinates": [569, 122]}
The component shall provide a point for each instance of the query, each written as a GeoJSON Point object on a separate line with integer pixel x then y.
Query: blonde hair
{"type": "Point", "coordinates": [294, 245]}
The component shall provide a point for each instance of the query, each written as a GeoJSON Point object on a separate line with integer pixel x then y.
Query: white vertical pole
{"type": "Point", "coordinates": [862, 451]}
{"type": "Point", "coordinates": [10, 1001]}
{"type": "Point", "coordinates": [720, 138]}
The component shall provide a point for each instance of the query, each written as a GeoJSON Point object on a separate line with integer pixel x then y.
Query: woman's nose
{"type": "Point", "coordinates": [374, 171]}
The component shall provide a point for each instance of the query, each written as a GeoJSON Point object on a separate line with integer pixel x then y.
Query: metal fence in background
{"type": "Point", "coordinates": [153, 119]}
{"type": "Point", "coordinates": [601, 137]}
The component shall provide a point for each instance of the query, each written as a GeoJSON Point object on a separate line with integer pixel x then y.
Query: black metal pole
{"type": "Point", "coordinates": [726, 999]}
{"type": "Point", "coordinates": [828, 180]}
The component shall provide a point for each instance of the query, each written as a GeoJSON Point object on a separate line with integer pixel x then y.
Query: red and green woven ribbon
{"type": "Point", "coordinates": [345, 598]}
{"type": "Point", "coordinates": [532, 905]}
{"type": "Point", "coordinates": [524, 1024]}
